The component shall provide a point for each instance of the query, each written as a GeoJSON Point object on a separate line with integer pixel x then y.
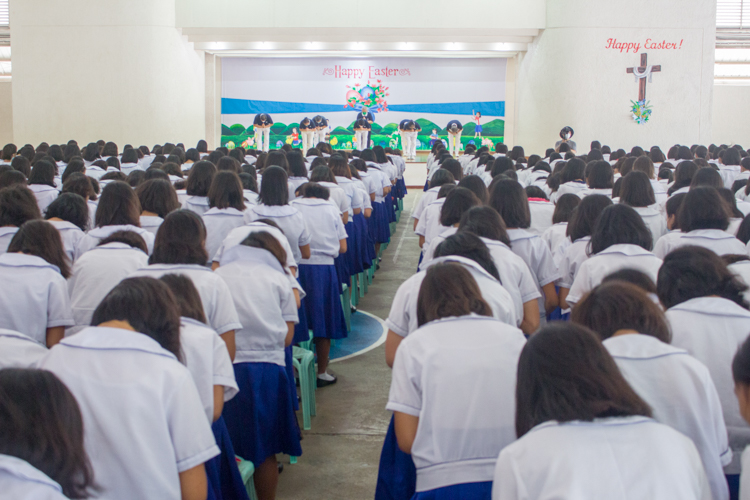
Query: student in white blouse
{"type": "Point", "coordinates": [158, 198]}
{"type": "Point", "coordinates": [583, 432]}
{"type": "Point", "coordinates": [673, 225]}
{"type": "Point", "coordinates": [129, 161]}
{"type": "Point", "coordinates": [69, 214]}
{"type": "Point", "coordinates": [42, 455]}
{"type": "Point", "coordinates": [298, 174]}
{"type": "Point", "coordinates": [741, 376]}
{"type": "Point", "coordinates": [704, 218]}
{"type": "Point", "coordinates": [573, 179]}
{"type": "Point", "coordinates": [710, 319]}
{"type": "Point", "coordinates": [323, 176]}
{"type": "Point", "coordinates": [556, 236]}
{"type": "Point", "coordinates": [678, 387]}
{"type": "Point", "coordinates": [42, 184]}
{"type": "Point", "coordinates": [226, 199]}
{"type": "Point", "coordinates": [541, 210]}
{"type": "Point", "coordinates": [636, 192]}
{"type": "Point", "coordinates": [18, 350]}
{"type": "Point", "coordinates": [198, 182]}
{"type": "Point", "coordinates": [17, 206]}
{"type": "Point", "coordinates": [430, 402]}
{"type": "Point", "coordinates": [34, 297]}
{"type": "Point", "coordinates": [111, 369]}
{"type": "Point", "coordinates": [118, 210]}
{"type": "Point", "coordinates": [441, 177]}
{"type": "Point", "coordinates": [645, 165]}
{"type": "Point", "coordinates": [620, 240]}
{"type": "Point", "coordinates": [432, 223]}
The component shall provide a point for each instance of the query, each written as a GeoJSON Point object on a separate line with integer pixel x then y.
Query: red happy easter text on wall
{"type": "Point", "coordinates": [369, 72]}
{"type": "Point", "coordinates": [635, 47]}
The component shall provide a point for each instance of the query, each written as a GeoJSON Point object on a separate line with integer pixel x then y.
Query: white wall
{"type": "Point", "coordinates": [568, 77]}
{"type": "Point", "coordinates": [731, 115]}
{"type": "Point", "coordinates": [6, 112]}
{"type": "Point", "coordinates": [104, 69]}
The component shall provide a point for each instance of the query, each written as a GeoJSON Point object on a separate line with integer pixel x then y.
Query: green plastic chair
{"type": "Point", "coordinates": [304, 361]}
{"type": "Point", "coordinates": [346, 300]}
{"type": "Point", "coordinates": [353, 287]}
{"type": "Point", "coordinates": [247, 469]}
{"type": "Point", "coordinates": [362, 279]}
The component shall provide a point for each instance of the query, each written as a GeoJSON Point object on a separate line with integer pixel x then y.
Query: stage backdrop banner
{"type": "Point", "coordinates": [429, 91]}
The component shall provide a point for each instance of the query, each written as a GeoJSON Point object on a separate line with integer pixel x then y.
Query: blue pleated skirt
{"type": "Point", "coordinates": [397, 476]}
{"type": "Point", "coordinates": [401, 185]}
{"type": "Point", "coordinates": [341, 263]}
{"type": "Point", "coordinates": [465, 491]}
{"type": "Point", "coordinates": [325, 315]}
{"type": "Point", "coordinates": [301, 329]}
{"type": "Point", "coordinates": [427, 184]}
{"type": "Point", "coordinates": [260, 418]}
{"type": "Point", "coordinates": [390, 205]}
{"type": "Point", "coordinates": [289, 368]}
{"type": "Point", "coordinates": [353, 251]}
{"type": "Point", "coordinates": [366, 246]}
{"type": "Point", "coordinates": [379, 223]}
{"type": "Point", "coordinates": [224, 478]}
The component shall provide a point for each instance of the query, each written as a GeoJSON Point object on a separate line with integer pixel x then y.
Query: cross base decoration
{"type": "Point", "coordinates": [641, 109]}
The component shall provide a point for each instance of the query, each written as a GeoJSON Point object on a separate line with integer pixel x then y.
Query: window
{"type": "Point", "coordinates": [4, 13]}
{"type": "Point", "coordinates": [732, 42]}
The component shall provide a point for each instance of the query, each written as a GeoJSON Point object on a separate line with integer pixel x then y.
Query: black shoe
{"type": "Point", "coordinates": [325, 383]}
{"type": "Point", "coordinates": [280, 466]}
{"type": "Point", "coordinates": [354, 309]}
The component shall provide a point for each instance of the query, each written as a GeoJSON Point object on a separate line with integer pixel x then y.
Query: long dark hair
{"type": "Point", "coordinates": [274, 189]}
{"type": "Point", "coordinates": [40, 238]}
{"type": "Point", "coordinates": [226, 191]}
{"type": "Point", "coordinates": [17, 206]}
{"type": "Point", "coordinates": [157, 196]}
{"type": "Point", "coordinates": [566, 374]}
{"type": "Point", "coordinates": [200, 177]}
{"type": "Point", "coordinates": [585, 215]}
{"type": "Point", "coordinates": [118, 205]}
{"type": "Point", "coordinates": [70, 207]}
{"type": "Point", "coordinates": [180, 239]}
{"type": "Point", "coordinates": [470, 246]}
{"type": "Point", "coordinates": [448, 289]}
{"type": "Point", "coordinates": [41, 423]}
{"type": "Point", "coordinates": [620, 224]}
{"type": "Point", "coordinates": [511, 202]}
{"type": "Point", "coordinates": [187, 296]}
{"type": "Point", "coordinates": [485, 222]}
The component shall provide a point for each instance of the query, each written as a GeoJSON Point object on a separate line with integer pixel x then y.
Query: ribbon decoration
{"type": "Point", "coordinates": [646, 73]}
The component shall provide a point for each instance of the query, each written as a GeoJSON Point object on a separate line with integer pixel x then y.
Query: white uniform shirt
{"type": "Point", "coordinates": [428, 250]}
{"type": "Point", "coordinates": [381, 180]}
{"type": "Point", "coordinates": [679, 390]}
{"type": "Point", "coordinates": [428, 197]}
{"type": "Point", "coordinates": [326, 229]}
{"type": "Point", "coordinates": [742, 269]}
{"type": "Point", "coordinates": [745, 476]}
{"type": "Point", "coordinates": [716, 240]}
{"type": "Point", "coordinates": [338, 197]}
{"type": "Point", "coordinates": [151, 223]}
{"type": "Point", "coordinates": [96, 273]}
{"type": "Point", "coordinates": [536, 254]}
{"type": "Point", "coordinates": [207, 359]}
{"type": "Point", "coordinates": [541, 216]}
{"type": "Point", "coordinates": [44, 195]}
{"type": "Point", "coordinates": [93, 237]}
{"type": "Point", "coordinates": [33, 296]}
{"type": "Point", "coordinates": [572, 258]}
{"type": "Point", "coordinates": [588, 191]}
{"type": "Point", "coordinates": [237, 235]}
{"type": "Point", "coordinates": [402, 319]}
{"type": "Point", "coordinates": [666, 242]}
{"type": "Point", "coordinates": [429, 224]}
{"type": "Point", "coordinates": [294, 183]}
{"type": "Point", "coordinates": [291, 222]}
{"type": "Point", "coordinates": [370, 183]}
{"type": "Point", "coordinates": [263, 308]}
{"type": "Point", "coordinates": [142, 416]}
{"type": "Point", "coordinates": [555, 235]}
{"type": "Point", "coordinates": [712, 329]}
{"type": "Point", "coordinates": [18, 350]}
{"type": "Point", "coordinates": [219, 223]}
{"type": "Point", "coordinates": [128, 168]}
{"type": "Point", "coordinates": [654, 220]}
{"type": "Point", "coordinates": [197, 204]}
{"type": "Point", "coordinates": [616, 257]}
{"type": "Point", "coordinates": [70, 234]}
{"type": "Point", "coordinates": [613, 458]}
{"type": "Point", "coordinates": [574, 187]}
{"type": "Point", "coordinates": [19, 480]}
{"type": "Point", "coordinates": [362, 187]}
{"type": "Point", "coordinates": [356, 196]}
{"type": "Point", "coordinates": [659, 192]}
{"type": "Point", "coordinates": [6, 235]}
{"type": "Point", "coordinates": [215, 295]}
{"type": "Point", "coordinates": [460, 431]}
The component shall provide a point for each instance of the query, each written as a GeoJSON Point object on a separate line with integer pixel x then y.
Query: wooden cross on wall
{"type": "Point", "coordinates": [642, 81]}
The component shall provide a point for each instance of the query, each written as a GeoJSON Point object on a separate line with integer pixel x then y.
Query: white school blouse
{"type": "Point", "coordinates": [660, 194]}
{"type": "Point", "coordinates": [362, 187]}
{"type": "Point", "coordinates": [219, 223]}
{"type": "Point", "coordinates": [33, 296]}
{"type": "Point", "coordinates": [381, 180]}
{"type": "Point", "coordinates": [460, 432]}
{"type": "Point", "coordinates": [128, 168]}
{"type": "Point", "coordinates": [712, 329]}
{"type": "Point", "coordinates": [573, 187]}
{"type": "Point", "coordinates": [536, 254]}
{"type": "Point", "coordinates": [215, 295]}
{"type": "Point", "coordinates": [19, 480]}
{"type": "Point", "coordinates": [338, 197]}
{"type": "Point", "coordinates": [603, 191]}
{"type": "Point", "coordinates": [263, 308]}
{"type": "Point", "coordinates": [429, 224]}
{"type": "Point", "coordinates": [681, 394]}
{"type": "Point", "coordinates": [554, 236]}
{"type": "Point", "coordinates": [541, 216]}
{"type": "Point", "coordinates": [356, 196]}
{"type": "Point", "coordinates": [142, 416]}
{"type": "Point", "coordinates": [197, 204]}
{"type": "Point", "coordinates": [742, 269]}
{"type": "Point", "coordinates": [237, 235]}
{"type": "Point", "coordinates": [44, 195]}
{"type": "Point", "coordinates": [428, 250]}
{"type": "Point", "coordinates": [654, 220]}
{"type": "Point", "coordinates": [207, 359]}
{"type": "Point", "coordinates": [18, 350]}
{"type": "Point", "coordinates": [665, 242]}
{"type": "Point", "coordinates": [151, 223]}
{"type": "Point", "coordinates": [716, 240]}
{"type": "Point", "coordinates": [614, 458]}
{"type": "Point", "coordinates": [572, 258]}
{"type": "Point", "coordinates": [370, 182]}
{"type": "Point", "coordinates": [291, 222]}
{"type": "Point", "coordinates": [70, 234]}
{"type": "Point", "coordinates": [402, 319]}
{"type": "Point", "coordinates": [611, 259]}
{"type": "Point", "coordinates": [293, 183]}
{"type": "Point", "coordinates": [6, 235]}
{"type": "Point", "coordinates": [326, 229]}
{"type": "Point", "coordinates": [428, 197]}
{"type": "Point", "coordinates": [94, 236]}
{"type": "Point", "coordinates": [745, 475]}
{"type": "Point", "coordinates": [95, 274]}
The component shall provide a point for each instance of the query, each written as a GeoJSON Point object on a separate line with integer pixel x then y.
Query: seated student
{"type": "Point", "coordinates": [573, 179]}
{"type": "Point", "coordinates": [379, 221]}
{"type": "Point", "coordinates": [81, 185]}
{"type": "Point", "coordinates": [584, 433]}
{"type": "Point", "coordinates": [735, 215]}
{"type": "Point", "coordinates": [708, 177]}
{"type": "Point", "coordinates": [729, 166]}
{"type": "Point", "coordinates": [136, 341]}
{"type": "Point", "coordinates": [261, 417]}
{"type": "Point", "coordinates": [515, 275]}
{"type": "Point", "coordinates": [42, 184]}
{"type": "Point", "coordinates": [454, 323]}
{"type": "Point", "coordinates": [42, 453]}
{"type": "Point", "coordinates": [741, 193]}
{"type": "Point", "coordinates": [158, 198]}
{"type": "Point", "coordinates": [99, 270]}
{"type": "Point", "coordinates": [468, 250]}
{"type": "Point", "coordinates": [17, 206]}
{"type": "Point", "coordinates": [645, 165]}
{"type": "Point", "coordinates": [741, 376]}
{"type": "Point", "coordinates": [620, 240]}
{"type": "Point", "coordinates": [118, 210]}
{"type": "Point", "coordinates": [298, 174]}
{"type": "Point", "coordinates": [710, 319]}
{"type": "Point", "coordinates": [599, 180]}
{"type": "Point", "coordinates": [540, 209]}
{"type": "Point", "coordinates": [198, 183]}
{"type": "Point", "coordinates": [323, 176]}
{"type": "Point", "coordinates": [556, 236]}
{"type": "Point", "coordinates": [317, 274]}
{"type": "Point", "coordinates": [440, 178]}
{"type": "Point", "coordinates": [69, 214]}
{"type": "Point", "coordinates": [509, 199]}
{"type": "Point", "coordinates": [180, 249]}
{"type": "Point", "coordinates": [673, 225]}
{"type": "Point", "coordinates": [636, 192]}
{"type": "Point", "coordinates": [34, 297]}
{"type": "Point", "coordinates": [429, 224]}
{"type": "Point", "coordinates": [226, 199]}
{"type": "Point", "coordinates": [678, 388]}
{"type": "Point", "coordinates": [683, 177]}
{"type": "Point", "coordinates": [18, 350]}
{"type": "Point", "coordinates": [129, 161]}
{"type": "Point", "coordinates": [704, 218]}
{"type": "Point", "coordinates": [357, 204]}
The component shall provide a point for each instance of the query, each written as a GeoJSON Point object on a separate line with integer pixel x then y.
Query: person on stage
{"type": "Point", "coordinates": [566, 134]}
{"type": "Point", "coordinates": [406, 129]}
{"type": "Point", "coordinates": [320, 124]}
{"type": "Point", "coordinates": [307, 130]}
{"type": "Point", "coordinates": [417, 130]}
{"type": "Point", "coordinates": [361, 130]}
{"type": "Point", "coordinates": [454, 129]}
{"type": "Point", "coordinates": [370, 118]}
{"type": "Point", "coordinates": [478, 126]}
{"type": "Point", "coordinates": [262, 128]}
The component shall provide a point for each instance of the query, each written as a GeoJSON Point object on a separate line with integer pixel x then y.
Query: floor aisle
{"type": "Point", "coordinates": [342, 450]}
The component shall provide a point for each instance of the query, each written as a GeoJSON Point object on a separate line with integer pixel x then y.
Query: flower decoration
{"type": "Point", "coordinates": [641, 111]}
{"type": "Point", "coordinates": [372, 96]}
